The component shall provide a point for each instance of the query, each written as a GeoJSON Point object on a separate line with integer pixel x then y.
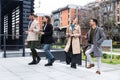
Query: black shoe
{"type": "Point", "coordinates": [73, 66]}
{"type": "Point", "coordinates": [52, 60]}
{"type": "Point", "coordinates": [32, 63]}
{"type": "Point", "coordinates": [48, 64]}
{"type": "Point", "coordinates": [38, 59]}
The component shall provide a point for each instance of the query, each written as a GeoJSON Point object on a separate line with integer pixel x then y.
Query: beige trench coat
{"type": "Point", "coordinates": [33, 36]}
{"type": "Point", "coordinates": [75, 41]}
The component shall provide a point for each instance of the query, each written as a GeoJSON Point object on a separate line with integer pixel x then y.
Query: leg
{"type": "Point", "coordinates": [74, 61]}
{"type": "Point", "coordinates": [47, 51]}
{"type": "Point", "coordinates": [34, 50]}
{"type": "Point", "coordinates": [98, 65]}
{"type": "Point", "coordinates": [88, 52]}
{"type": "Point", "coordinates": [68, 57]}
{"type": "Point", "coordinates": [36, 58]}
{"type": "Point", "coordinates": [48, 54]}
{"type": "Point", "coordinates": [35, 55]}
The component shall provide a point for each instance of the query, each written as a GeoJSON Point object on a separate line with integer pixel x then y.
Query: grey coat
{"type": "Point", "coordinates": [99, 37]}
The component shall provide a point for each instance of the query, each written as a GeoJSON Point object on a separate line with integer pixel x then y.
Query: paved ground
{"type": "Point", "coordinates": [17, 69]}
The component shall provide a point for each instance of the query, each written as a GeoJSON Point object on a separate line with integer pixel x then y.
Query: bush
{"type": "Point", "coordinates": [105, 56]}
{"type": "Point", "coordinates": [115, 44]}
{"type": "Point", "coordinates": [118, 57]}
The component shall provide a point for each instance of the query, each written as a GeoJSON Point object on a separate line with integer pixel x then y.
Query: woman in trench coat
{"type": "Point", "coordinates": [72, 48]}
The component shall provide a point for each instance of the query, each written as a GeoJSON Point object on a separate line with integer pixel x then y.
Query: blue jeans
{"type": "Point", "coordinates": [48, 54]}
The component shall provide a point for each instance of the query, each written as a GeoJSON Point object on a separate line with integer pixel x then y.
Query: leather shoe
{"type": "Point", "coordinates": [48, 64]}
{"type": "Point", "coordinates": [90, 66]}
{"type": "Point", "coordinates": [98, 72]}
{"type": "Point", "coordinates": [32, 63]}
{"type": "Point", "coordinates": [52, 60]}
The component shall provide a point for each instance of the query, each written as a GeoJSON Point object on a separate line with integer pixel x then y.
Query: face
{"type": "Point", "coordinates": [91, 22]}
{"type": "Point", "coordinates": [31, 17]}
{"type": "Point", "coordinates": [75, 20]}
{"type": "Point", "coordinates": [45, 19]}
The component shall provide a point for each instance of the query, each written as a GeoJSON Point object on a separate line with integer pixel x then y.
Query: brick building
{"type": "Point", "coordinates": [40, 18]}
{"type": "Point", "coordinates": [62, 16]}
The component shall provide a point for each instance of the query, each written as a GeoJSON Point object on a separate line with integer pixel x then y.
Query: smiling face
{"type": "Point", "coordinates": [45, 19]}
{"type": "Point", "coordinates": [31, 17]}
{"type": "Point", "coordinates": [75, 21]}
{"type": "Point", "coordinates": [92, 23]}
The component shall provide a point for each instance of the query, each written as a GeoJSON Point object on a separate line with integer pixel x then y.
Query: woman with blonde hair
{"type": "Point", "coordinates": [72, 48]}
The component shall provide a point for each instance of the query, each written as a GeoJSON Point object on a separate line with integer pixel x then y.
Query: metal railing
{"type": "Point", "coordinates": [4, 45]}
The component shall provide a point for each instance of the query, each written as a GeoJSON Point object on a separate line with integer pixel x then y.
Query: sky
{"type": "Point", "coordinates": [47, 6]}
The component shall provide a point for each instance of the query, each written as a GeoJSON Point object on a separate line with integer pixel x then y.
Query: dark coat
{"type": "Point", "coordinates": [99, 37]}
{"type": "Point", "coordinates": [47, 38]}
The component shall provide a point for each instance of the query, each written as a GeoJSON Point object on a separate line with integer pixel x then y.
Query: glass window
{"type": "Point", "coordinates": [15, 23]}
{"type": "Point", "coordinates": [6, 25]}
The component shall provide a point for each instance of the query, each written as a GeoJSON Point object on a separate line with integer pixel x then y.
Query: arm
{"type": "Point", "coordinates": [36, 28]}
{"type": "Point", "coordinates": [87, 37]}
{"type": "Point", "coordinates": [67, 32]}
{"type": "Point", "coordinates": [102, 35]}
{"type": "Point", "coordinates": [50, 30]}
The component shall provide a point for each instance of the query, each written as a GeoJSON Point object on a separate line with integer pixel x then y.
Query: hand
{"type": "Point", "coordinates": [31, 30]}
{"type": "Point", "coordinates": [26, 32]}
{"type": "Point", "coordinates": [71, 35]}
{"type": "Point", "coordinates": [85, 36]}
{"type": "Point", "coordinates": [42, 33]}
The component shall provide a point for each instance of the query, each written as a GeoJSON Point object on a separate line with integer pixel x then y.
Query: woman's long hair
{"type": "Point", "coordinates": [73, 20]}
{"type": "Point", "coordinates": [48, 19]}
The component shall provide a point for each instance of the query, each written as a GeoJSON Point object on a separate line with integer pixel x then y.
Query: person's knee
{"type": "Point", "coordinates": [86, 53]}
{"type": "Point", "coordinates": [32, 49]}
{"type": "Point", "coordinates": [45, 49]}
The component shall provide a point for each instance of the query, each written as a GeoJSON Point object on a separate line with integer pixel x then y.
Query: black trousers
{"type": "Point", "coordinates": [32, 45]}
{"type": "Point", "coordinates": [70, 57]}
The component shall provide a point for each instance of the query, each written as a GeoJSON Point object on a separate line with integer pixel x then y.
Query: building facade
{"type": "Point", "coordinates": [108, 14]}
{"type": "Point", "coordinates": [62, 16]}
{"type": "Point", "coordinates": [40, 18]}
{"type": "Point", "coordinates": [14, 21]}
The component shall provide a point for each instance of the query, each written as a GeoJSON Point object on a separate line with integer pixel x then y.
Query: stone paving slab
{"type": "Point", "coordinates": [18, 69]}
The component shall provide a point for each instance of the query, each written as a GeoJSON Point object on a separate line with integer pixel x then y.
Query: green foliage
{"type": "Point", "coordinates": [106, 59]}
{"type": "Point", "coordinates": [105, 56]}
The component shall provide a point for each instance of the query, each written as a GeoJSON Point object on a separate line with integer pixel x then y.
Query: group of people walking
{"type": "Point", "coordinates": [95, 37]}
{"type": "Point", "coordinates": [46, 38]}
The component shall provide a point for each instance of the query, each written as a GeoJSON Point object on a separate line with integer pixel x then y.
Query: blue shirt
{"type": "Point", "coordinates": [73, 27]}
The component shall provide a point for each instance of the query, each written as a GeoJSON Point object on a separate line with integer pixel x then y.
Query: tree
{"type": "Point", "coordinates": [107, 16]}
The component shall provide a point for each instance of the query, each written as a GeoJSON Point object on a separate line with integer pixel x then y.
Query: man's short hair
{"type": "Point", "coordinates": [35, 16]}
{"type": "Point", "coordinates": [31, 14]}
{"type": "Point", "coordinates": [95, 20]}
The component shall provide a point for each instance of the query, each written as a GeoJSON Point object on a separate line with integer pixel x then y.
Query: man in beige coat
{"type": "Point", "coordinates": [32, 37]}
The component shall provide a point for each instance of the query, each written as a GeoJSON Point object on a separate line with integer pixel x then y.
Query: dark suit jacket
{"type": "Point", "coordinates": [47, 38]}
